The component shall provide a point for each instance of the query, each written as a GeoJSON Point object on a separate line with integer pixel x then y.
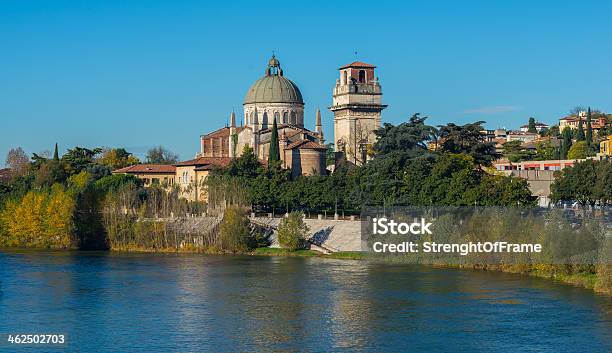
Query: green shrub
{"type": "Point", "coordinates": [234, 230]}
{"type": "Point", "coordinates": [292, 231]}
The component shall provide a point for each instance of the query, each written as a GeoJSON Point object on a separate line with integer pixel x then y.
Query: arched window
{"type": "Point", "coordinates": [264, 121]}
{"type": "Point", "coordinates": [293, 118]}
{"type": "Point", "coordinates": [345, 78]}
{"type": "Point", "coordinates": [362, 76]}
{"type": "Point", "coordinates": [277, 117]}
{"type": "Point", "coordinates": [285, 118]}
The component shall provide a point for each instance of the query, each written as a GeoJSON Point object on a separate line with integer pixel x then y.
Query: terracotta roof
{"type": "Point", "coordinates": [305, 144]}
{"type": "Point", "coordinates": [357, 64]}
{"type": "Point", "coordinates": [222, 132]}
{"type": "Point", "coordinates": [203, 161]}
{"type": "Point", "coordinates": [147, 168]}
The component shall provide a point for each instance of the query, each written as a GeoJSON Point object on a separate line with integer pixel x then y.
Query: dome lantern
{"type": "Point", "coordinates": [274, 68]}
{"type": "Point", "coordinates": [274, 87]}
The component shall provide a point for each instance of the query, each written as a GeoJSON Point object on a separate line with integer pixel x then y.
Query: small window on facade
{"type": "Point", "coordinates": [264, 121]}
{"type": "Point", "coordinates": [293, 118]}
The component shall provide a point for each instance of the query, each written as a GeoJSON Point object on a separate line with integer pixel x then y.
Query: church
{"type": "Point", "coordinates": [356, 105]}
{"type": "Point", "coordinates": [272, 97]}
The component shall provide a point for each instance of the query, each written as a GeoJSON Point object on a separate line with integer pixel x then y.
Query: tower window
{"type": "Point", "coordinates": [285, 118]}
{"type": "Point", "coordinates": [293, 118]}
{"type": "Point", "coordinates": [277, 117]}
{"type": "Point", "coordinates": [345, 78]}
{"type": "Point", "coordinates": [362, 76]}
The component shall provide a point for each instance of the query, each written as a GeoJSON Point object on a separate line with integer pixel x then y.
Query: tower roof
{"type": "Point", "coordinates": [358, 64]}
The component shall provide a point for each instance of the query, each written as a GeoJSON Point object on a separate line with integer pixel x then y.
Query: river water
{"type": "Point", "coordinates": [116, 302]}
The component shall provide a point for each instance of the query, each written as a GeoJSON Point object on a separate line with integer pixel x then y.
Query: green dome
{"type": "Point", "coordinates": [273, 89]}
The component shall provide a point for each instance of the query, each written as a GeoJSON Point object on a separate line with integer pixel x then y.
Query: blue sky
{"type": "Point", "coordinates": [143, 73]}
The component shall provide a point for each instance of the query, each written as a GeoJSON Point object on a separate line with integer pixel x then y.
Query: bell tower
{"type": "Point", "coordinates": [357, 106]}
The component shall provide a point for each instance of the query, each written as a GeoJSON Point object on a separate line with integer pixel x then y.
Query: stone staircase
{"type": "Point", "coordinates": [326, 236]}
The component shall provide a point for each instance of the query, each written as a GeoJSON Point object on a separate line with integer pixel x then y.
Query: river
{"type": "Point", "coordinates": [111, 302]}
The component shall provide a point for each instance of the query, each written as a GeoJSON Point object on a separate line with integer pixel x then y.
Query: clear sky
{"type": "Point", "coordinates": [143, 73]}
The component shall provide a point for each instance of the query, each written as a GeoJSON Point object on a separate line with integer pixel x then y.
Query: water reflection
{"type": "Point", "coordinates": [104, 302]}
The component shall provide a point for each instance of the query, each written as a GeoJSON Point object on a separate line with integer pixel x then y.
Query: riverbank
{"type": "Point", "coordinates": [342, 255]}
{"type": "Point", "coordinates": [583, 280]}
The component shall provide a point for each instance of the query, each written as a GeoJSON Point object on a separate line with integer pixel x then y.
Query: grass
{"type": "Point", "coordinates": [586, 280]}
{"type": "Point", "coordinates": [283, 252]}
{"type": "Point", "coordinates": [348, 255]}
{"type": "Point", "coordinates": [343, 255]}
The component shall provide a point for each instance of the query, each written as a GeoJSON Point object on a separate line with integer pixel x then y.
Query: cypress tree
{"type": "Point", "coordinates": [566, 143]}
{"type": "Point", "coordinates": [532, 126]}
{"type": "Point", "coordinates": [580, 132]}
{"type": "Point", "coordinates": [274, 155]}
{"type": "Point", "coordinates": [589, 130]}
{"type": "Point", "coordinates": [55, 153]}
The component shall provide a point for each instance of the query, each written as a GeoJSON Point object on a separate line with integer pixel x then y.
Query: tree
{"type": "Point", "coordinates": [532, 126]}
{"type": "Point", "coordinates": [17, 161]}
{"type": "Point", "coordinates": [234, 230]}
{"type": "Point", "coordinates": [357, 145]}
{"type": "Point", "coordinates": [55, 153]}
{"type": "Point", "coordinates": [247, 165]}
{"type": "Point", "coordinates": [580, 131]}
{"type": "Point", "coordinates": [545, 151]}
{"type": "Point", "coordinates": [468, 139]}
{"type": "Point", "coordinates": [160, 155]}
{"type": "Point", "coordinates": [589, 131]}
{"type": "Point", "coordinates": [454, 180]}
{"type": "Point", "coordinates": [116, 181]}
{"type": "Point", "coordinates": [578, 183]}
{"type": "Point", "coordinates": [579, 150]}
{"type": "Point", "coordinates": [49, 173]}
{"type": "Point", "coordinates": [330, 154]}
{"type": "Point", "coordinates": [410, 137]}
{"type": "Point", "coordinates": [566, 143]}
{"type": "Point", "coordinates": [552, 131]}
{"type": "Point", "coordinates": [514, 151]}
{"type": "Point", "coordinates": [116, 158]}
{"type": "Point", "coordinates": [603, 186]}
{"type": "Point", "coordinates": [292, 231]}
{"type": "Point", "coordinates": [274, 155]}
{"type": "Point", "coordinates": [79, 158]}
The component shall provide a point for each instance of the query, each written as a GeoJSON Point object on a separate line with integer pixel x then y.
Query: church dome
{"type": "Point", "coordinates": [274, 87]}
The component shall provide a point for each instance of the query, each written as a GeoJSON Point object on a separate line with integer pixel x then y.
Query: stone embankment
{"type": "Point", "coordinates": [324, 235]}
